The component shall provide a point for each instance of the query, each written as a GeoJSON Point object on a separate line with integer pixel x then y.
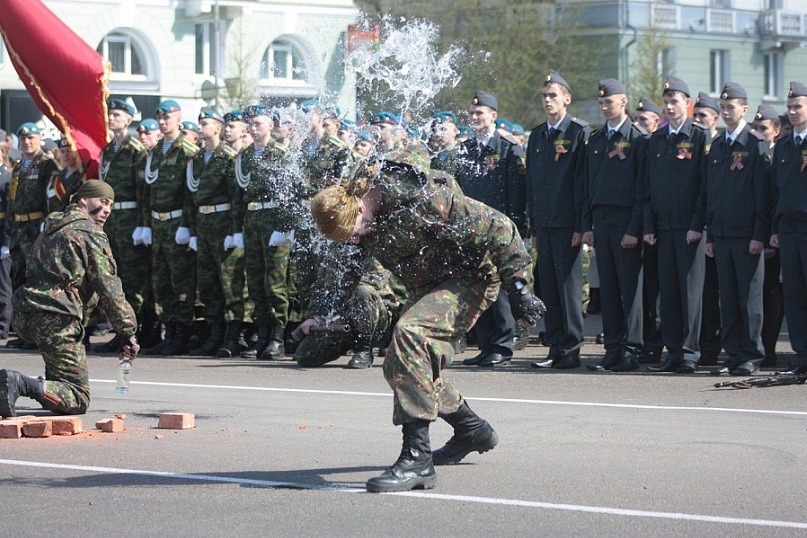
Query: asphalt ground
{"type": "Point", "coordinates": [284, 451]}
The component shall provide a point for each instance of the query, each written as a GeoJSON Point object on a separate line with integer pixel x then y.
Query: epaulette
{"type": "Point", "coordinates": [336, 141]}
{"type": "Point", "coordinates": [580, 122]}
{"type": "Point", "coordinates": [641, 129]}
{"type": "Point", "coordinates": [189, 148]}
{"type": "Point", "coordinates": [509, 138]}
{"type": "Point", "coordinates": [228, 151]}
{"type": "Point", "coordinates": [136, 144]}
{"type": "Point", "coordinates": [757, 135]}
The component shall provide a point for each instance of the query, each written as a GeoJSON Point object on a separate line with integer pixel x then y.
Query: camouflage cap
{"type": "Point", "coordinates": [414, 156]}
{"type": "Point", "coordinates": [94, 188]}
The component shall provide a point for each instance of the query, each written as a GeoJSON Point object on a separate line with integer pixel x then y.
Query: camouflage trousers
{"type": "Point", "coordinates": [22, 236]}
{"type": "Point", "coordinates": [220, 273]}
{"type": "Point", "coordinates": [368, 317]}
{"type": "Point", "coordinates": [432, 321]}
{"type": "Point", "coordinates": [267, 268]}
{"type": "Point", "coordinates": [132, 261]}
{"type": "Point", "coordinates": [59, 337]}
{"type": "Point", "coordinates": [173, 273]}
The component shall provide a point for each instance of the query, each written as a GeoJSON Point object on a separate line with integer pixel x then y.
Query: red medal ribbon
{"type": "Point", "coordinates": [559, 150]}
{"type": "Point", "coordinates": [617, 151]}
{"type": "Point", "coordinates": [738, 163]}
{"type": "Point", "coordinates": [684, 154]}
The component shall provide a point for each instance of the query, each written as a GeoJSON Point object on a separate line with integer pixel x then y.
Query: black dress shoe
{"type": "Point", "coordinates": [16, 343]}
{"type": "Point", "coordinates": [628, 363]}
{"type": "Point", "coordinates": [474, 361]}
{"type": "Point", "coordinates": [568, 363]}
{"type": "Point", "coordinates": [495, 359]}
{"type": "Point", "coordinates": [649, 357]}
{"type": "Point", "coordinates": [686, 367]}
{"type": "Point", "coordinates": [544, 363]}
{"type": "Point", "coordinates": [722, 370]}
{"type": "Point", "coordinates": [795, 369]}
{"type": "Point", "coordinates": [607, 362]}
{"type": "Point", "coordinates": [600, 338]}
{"type": "Point", "coordinates": [669, 364]}
{"type": "Point", "coordinates": [745, 369]}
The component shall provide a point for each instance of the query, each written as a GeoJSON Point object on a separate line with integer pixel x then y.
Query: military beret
{"type": "Point", "coordinates": [308, 105]}
{"type": "Point", "coordinates": [797, 89]}
{"type": "Point", "coordinates": [507, 125]}
{"type": "Point", "coordinates": [167, 106]}
{"type": "Point", "coordinates": [331, 111]}
{"type": "Point", "coordinates": [253, 111]}
{"type": "Point", "coordinates": [518, 130]}
{"type": "Point", "coordinates": [119, 104]}
{"type": "Point", "coordinates": [209, 113]}
{"type": "Point", "coordinates": [609, 87]}
{"type": "Point", "coordinates": [385, 118]}
{"type": "Point", "coordinates": [732, 90]}
{"type": "Point", "coordinates": [190, 126]}
{"type": "Point", "coordinates": [281, 115]}
{"type": "Point", "coordinates": [466, 131]}
{"type": "Point", "coordinates": [48, 144]}
{"type": "Point", "coordinates": [554, 77]}
{"type": "Point", "coordinates": [482, 98]}
{"type": "Point", "coordinates": [766, 112]}
{"type": "Point", "coordinates": [147, 125]}
{"type": "Point", "coordinates": [705, 101]}
{"type": "Point", "coordinates": [444, 116]}
{"type": "Point", "coordinates": [648, 105]}
{"type": "Point", "coordinates": [365, 135]}
{"type": "Point", "coordinates": [674, 84]}
{"type": "Point", "coordinates": [94, 188]}
{"type": "Point", "coordinates": [347, 125]}
{"type": "Point", "coordinates": [28, 129]}
{"type": "Point", "coordinates": [234, 115]}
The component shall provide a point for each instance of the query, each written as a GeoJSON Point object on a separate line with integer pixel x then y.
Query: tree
{"type": "Point", "coordinates": [652, 65]}
{"type": "Point", "coordinates": [241, 85]}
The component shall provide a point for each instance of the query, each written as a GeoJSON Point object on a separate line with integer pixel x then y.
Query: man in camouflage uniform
{"type": "Point", "coordinates": [453, 254]}
{"type": "Point", "coordinates": [66, 182]}
{"type": "Point", "coordinates": [121, 165]}
{"type": "Point", "coordinates": [235, 127]}
{"type": "Point", "coordinates": [212, 220]}
{"type": "Point", "coordinates": [269, 206]}
{"type": "Point", "coordinates": [173, 261]}
{"type": "Point", "coordinates": [367, 301]}
{"type": "Point", "coordinates": [443, 142]}
{"type": "Point", "coordinates": [148, 133]}
{"type": "Point", "coordinates": [71, 270]}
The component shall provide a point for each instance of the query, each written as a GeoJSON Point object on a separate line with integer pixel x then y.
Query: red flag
{"type": "Point", "coordinates": [65, 76]}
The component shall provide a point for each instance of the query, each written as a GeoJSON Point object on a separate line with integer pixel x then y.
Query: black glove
{"type": "Point", "coordinates": [526, 306]}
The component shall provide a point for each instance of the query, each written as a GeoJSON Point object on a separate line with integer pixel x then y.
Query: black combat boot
{"type": "Point", "coordinates": [213, 341]}
{"type": "Point", "coordinates": [157, 349]}
{"type": "Point", "coordinates": [362, 354]}
{"type": "Point", "coordinates": [275, 349]}
{"type": "Point", "coordinates": [113, 346]}
{"type": "Point", "coordinates": [179, 343]}
{"type": "Point", "coordinates": [150, 334]}
{"type": "Point", "coordinates": [260, 344]}
{"type": "Point", "coordinates": [414, 469]}
{"type": "Point", "coordinates": [13, 384]}
{"type": "Point", "coordinates": [471, 434]}
{"type": "Point", "coordinates": [235, 341]}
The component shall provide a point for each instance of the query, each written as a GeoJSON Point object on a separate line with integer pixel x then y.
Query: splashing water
{"type": "Point", "coordinates": [407, 66]}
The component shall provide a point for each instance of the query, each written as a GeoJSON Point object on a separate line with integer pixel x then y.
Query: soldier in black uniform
{"type": "Point", "coordinates": [674, 220]}
{"type": "Point", "coordinates": [738, 220]}
{"type": "Point", "coordinates": [612, 217]}
{"type": "Point", "coordinates": [490, 169]}
{"type": "Point", "coordinates": [789, 188]}
{"type": "Point", "coordinates": [555, 202]}
{"type": "Point", "coordinates": [647, 115]}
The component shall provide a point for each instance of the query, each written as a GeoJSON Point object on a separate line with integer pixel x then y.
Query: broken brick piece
{"type": "Point", "coordinates": [66, 426]}
{"type": "Point", "coordinates": [39, 428]}
{"type": "Point", "coordinates": [110, 425]}
{"type": "Point", "coordinates": [10, 429]}
{"type": "Point", "coordinates": [177, 421]}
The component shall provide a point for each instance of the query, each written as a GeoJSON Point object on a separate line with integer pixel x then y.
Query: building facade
{"type": "Point", "coordinates": [221, 53]}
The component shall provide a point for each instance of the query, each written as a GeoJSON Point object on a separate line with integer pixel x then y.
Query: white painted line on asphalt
{"type": "Point", "coordinates": [680, 516]}
{"type": "Point", "coordinates": [478, 399]}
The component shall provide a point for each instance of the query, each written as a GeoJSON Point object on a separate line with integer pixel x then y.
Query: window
{"type": "Point", "coordinates": [666, 62]}
{"type": "Point", "coordinates": [718, 70]}
{"type": "Point", "coordinates": [122, 54]}
{"type": "Point", "coordinates": [207, 58]}
{"type": "Point", "coordinates": [773, 75]}
{"type": "Point", "coordinates": [282, 60]}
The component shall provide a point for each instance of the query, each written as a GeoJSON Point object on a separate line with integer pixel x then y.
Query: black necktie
{"type": "Point", "coordinates": [798, 140]}
{"type": "Point", "coordinates": [611, 133]}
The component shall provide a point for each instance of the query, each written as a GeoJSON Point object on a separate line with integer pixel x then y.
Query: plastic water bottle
{"type": "Point", "coordinates": [123, 376]}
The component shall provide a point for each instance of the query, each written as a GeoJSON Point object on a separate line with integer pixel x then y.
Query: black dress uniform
{"type": "Point", "coordinates": [555, 204]}
{"type": "Point", "coordinates": [674, 206]}
{"type": "Point", "coordinates": [789, 193]}
{"type": "Point", "coordinates": [737, 212]}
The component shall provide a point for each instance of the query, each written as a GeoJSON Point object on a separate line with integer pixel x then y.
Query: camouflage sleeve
{"type": "Point", "coordinates": [102, 274]}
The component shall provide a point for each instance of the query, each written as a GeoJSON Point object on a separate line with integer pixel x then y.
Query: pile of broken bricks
{"type": "Point", "coordinates": [33, 426]}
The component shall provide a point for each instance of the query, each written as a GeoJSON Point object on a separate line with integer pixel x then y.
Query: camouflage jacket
{"type": "Point", "coordinates": [27, 189]}
{"type": "Point", "coordinates": [427, 231]}
{"type": "Point", "coordinates": [331, 162]}
{"type": "Point", "coordinates": [124, 170]}
{"type": "Point", "coordinates": [165, 179]}
{"type": "Point", "coordinates": [211, 183]}
{"type": "Point", "coordinates": [71, 269]}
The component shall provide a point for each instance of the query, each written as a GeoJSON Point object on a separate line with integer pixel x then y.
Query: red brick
{"type": "Point", "coordinates": [177, 421]}
{"type": "Point", "coordinates": [110, 425]}
{"type": "Point", "coordinates": [66, 425]}
{"type": "Point", "coordinates": [10, 429]}
{"type": "Point", "coordinates": [39, 428]}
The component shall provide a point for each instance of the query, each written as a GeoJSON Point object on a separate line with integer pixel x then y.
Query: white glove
{"type": "Point", "coordinates": [277, 239]}
{"type": "Point", "coordinates": [238, 240]}
{"type": "Point", "coordinates": [183, 236]}
{"type": "Point", "coordinates": [4, 252]}
{"type": "Point", "coordinates": [291, 240]}
{"type": "Point", "coordinates": [146, 237]}
{"type": "Point", "coordinates": [137, 236]}
{"type": "Point", "coordinates": [193, 244]}
{"type": "Point", "coordinates": [229, 243]}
